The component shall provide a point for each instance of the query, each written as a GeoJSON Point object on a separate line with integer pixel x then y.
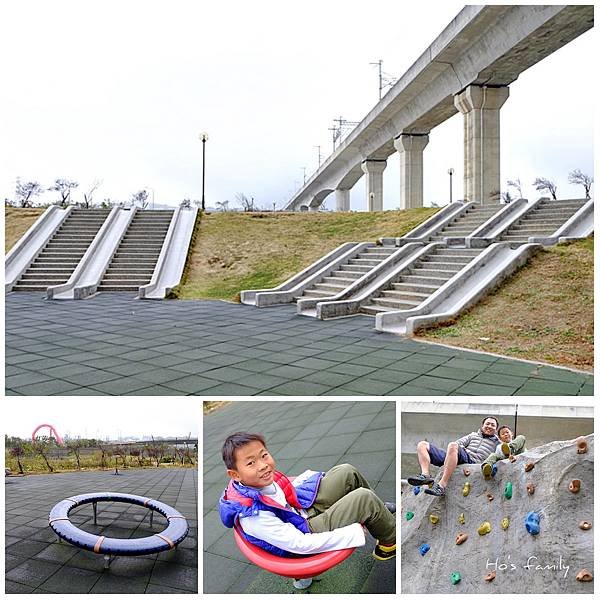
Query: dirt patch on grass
{"type": "Point", "coordinates": [545, 312]}
{"type": "Point", "coordinates": [16, 222]}
{"type": "Point", "coordinates": [237, 251]}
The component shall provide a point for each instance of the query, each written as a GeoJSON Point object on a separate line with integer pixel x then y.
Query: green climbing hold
{"type": "Point", "coordinates": [409, 515]}
{"type": "Point", "coordinates": [455, 577]}
{"type": "Point", "coordinates": [508, 490]}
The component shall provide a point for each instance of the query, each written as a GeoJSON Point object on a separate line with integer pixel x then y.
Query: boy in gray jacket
{"type": "Point", "coordinates": [469, 449]}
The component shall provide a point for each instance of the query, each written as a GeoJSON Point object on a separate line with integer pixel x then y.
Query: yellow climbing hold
{"type": "Point", "coordinates": [484, 528]}
{"type": "Point", "coordinates": [461, 518]}
{"type": "Point", "coordinates": [434, 519]}
{"type": "Point", "coordinates": [505, 523]}
{"type": "Point", "coordinates": [466, 488]}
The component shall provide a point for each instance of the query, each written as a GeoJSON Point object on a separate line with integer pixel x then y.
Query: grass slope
{"type": "Point", "coordinates": [545, 312]}
{"type": "Point", "coordinates": [237, 251]}
{"type": "Point", "coordinates": [17, 222]}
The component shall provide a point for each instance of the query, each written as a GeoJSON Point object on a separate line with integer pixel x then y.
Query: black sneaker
{"type": "Point", "coordinates": [420, 480]}
{"type": "Point", "coordinates": [382, 552]}
{"type": "Point", "coordinates": [391, 506]}
{"type": "Point", "coordinates": [436, 490]}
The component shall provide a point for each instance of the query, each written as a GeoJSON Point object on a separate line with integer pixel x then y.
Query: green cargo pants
{"type": "Point", "coordinates": [516, 447]}
{"type": "Point", "coordinates": [345, 497]}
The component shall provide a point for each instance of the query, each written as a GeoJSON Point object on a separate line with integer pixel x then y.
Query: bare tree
{"type": "Point", "coordinates": [42, 446]}
{"type": "Point", "coordinates": [138, 453]}
{"type": "Point", "coordinates": [541, 184]}
{"type": "Point", "coordinates": [244, 202]}
{"type": "Point", "coordinates": [140, 199]}
{"type": "Point", "coordinates": [88, 201]}
{"type": "Point", "coordinates": [76, 446]}
{"type": "Point", "coordinates": [104, 454]}
{"type": "Point", "coordinates": [26, 192]}
{"type": "Point", "coordinates": [63, 187]}
{"type": "Point", "coordinates": [107, 203]}
{"type": "Point", "coordinates": [121, 452]}
{"type": "Point", "coordinates": [516, 184]}
{"type": "Point", "coordinates": [186, 203]}
{"type": "Point", "coordinates": [578, 178]}
{"type": "Point", "coordinates": [223, 206]}
{"type": "Point", "coordinates": [506, 197]}
{"type": "Point", "coordinates": [18, 451]}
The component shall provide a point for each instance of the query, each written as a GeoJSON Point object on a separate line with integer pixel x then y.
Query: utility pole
{"type": "Point", "coordinates": [450, 172]}
{"type": "Point", "coordinates": [304, 174]}
{"type": "Point", "coordinates": [319, 154]}
{"type": "Point", "coordinates": [385, 80]}
{"type": "Point", "coordinates": [378, 65]}
{"type": "Point", "coordinates": [204, 138]}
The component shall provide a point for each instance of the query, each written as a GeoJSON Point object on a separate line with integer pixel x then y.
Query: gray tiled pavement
{"type": "Point", "coordinates": [37, 563]}
{"type": "Point", "coordinates": [301, 435]}
{"type": "Point", "coordinates": [114, 345]}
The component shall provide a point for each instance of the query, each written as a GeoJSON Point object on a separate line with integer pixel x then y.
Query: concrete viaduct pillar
{"type": "Point", "coordinates": [373, 169]}
{"type": "Point", "coordinates": [410, 149]}
{"type": "Point", "coordinates": [480, 106]}
{"type": "Point", "coordinates": [342, 200]}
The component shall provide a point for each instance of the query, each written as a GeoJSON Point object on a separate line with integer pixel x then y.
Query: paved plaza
{"type": "Point", "coordinates": [37, 563]}
{"type": "Point", "coordinates": [300, 435]}
{"type": "Point", "coordinates": [115, 345]}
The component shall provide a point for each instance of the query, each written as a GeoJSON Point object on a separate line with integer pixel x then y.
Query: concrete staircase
{"type": "Point", "coordinates": [58, 259]}
{"type": "Point", "coordinates": [134, 261]}
{"type": "Point", "coordinates": [431, 271]}
{"type": "Point", "coordinates": [348, 273]}
{"type": "Point", "coordinates": [543, 220]}
{"type": "Point", "coordinates": [467, 223]}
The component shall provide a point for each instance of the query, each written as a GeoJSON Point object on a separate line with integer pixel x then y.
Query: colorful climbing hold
{"type": "Point", "coordinates": [466, 472]}
{"type": "Point", "coordinates": [433, 519]}
{"type": "Point", "coordinates": [466, 488]}
{"type": "Point", "coordinates": [489, 497]}
{"type": "Point", "coordinates": [416, 490]}
{"type": "Point", "coordinates": [409, 515]}
{"type": "Point", "coordinates": [490, 576]}
{"type": "Point", "coordinates": [584, 575]}
{"type": "Point", "coordinates": [505, 523]}
{"type": "Point", "coordinates": [582, 445]}
{"type": "Point", "coordinates": [532, 523]}
{"type": "Point", "coordinates": [575, 486]}
{"type": "Point", "coordinates": [455, 577]}
{"type": "Point", "coordinates": [423, 549]}
{"type": "Point", "coordinates": [530, 488]}
{"type": "Point", "coordinates": [585, 525]}
{"type": "Point", "coordinates": [461, 538]}
{"type": "Point", "coordinates": [529, 466]}
{"type": "Point", "coordinates": [461, 518]}
{"type": "Point", "coordinates": [484, 528]}
{"type": "Point", "coordinates": [508, 490]}
{"type": "Point", "coordinates": [512, 458]}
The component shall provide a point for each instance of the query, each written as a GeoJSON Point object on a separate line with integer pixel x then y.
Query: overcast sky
{"type": "Point", "coordinates": [101, 418]}
{"type": "Point", "coordinates": [119, 91]}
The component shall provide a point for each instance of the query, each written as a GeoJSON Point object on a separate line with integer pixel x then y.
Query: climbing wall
{"type": "Point", "coordinates": [528, 529]}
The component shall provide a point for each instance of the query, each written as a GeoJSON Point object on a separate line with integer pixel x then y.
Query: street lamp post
{"type": "Point", "coordinates": [450, 172]}
{"type": "Point", "coordinates": [204, 138]}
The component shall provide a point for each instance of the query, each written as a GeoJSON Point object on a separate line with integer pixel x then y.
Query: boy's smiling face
{"type": "Point", "coordinates": [254, 466]}
{"type": "Point", "coordinates": [505, 434]}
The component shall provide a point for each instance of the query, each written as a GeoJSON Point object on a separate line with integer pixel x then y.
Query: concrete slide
{"type": "Point", "coordinates": [513, 560]}
{"type": "Point", "coordinates": [466, 288]}
{"type": "Point", "coordinates": [24, 252]}
{"type": "Point", "coordinates": [87, 275]}
{"type": "Point", "coordinates": [171, 261]}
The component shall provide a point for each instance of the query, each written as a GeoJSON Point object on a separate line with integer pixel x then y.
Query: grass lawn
{"type": "Point", "coordinates": [17, 222]}
{"type": "Point", "coordinates": [545, 312]}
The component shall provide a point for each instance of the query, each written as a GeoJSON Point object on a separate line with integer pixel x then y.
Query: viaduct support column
{"type": "Point", "coordinates": [342, 200]}
{"type": "Point", "coordinates": [480, 106]}
{"type": "Point", "coordinates": [373, 169]}
{"type": "Point", "coordinates": [410, 149]}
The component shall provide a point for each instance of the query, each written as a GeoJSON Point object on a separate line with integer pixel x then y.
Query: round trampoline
{"type": "Point", "coordinates": [168, 539]}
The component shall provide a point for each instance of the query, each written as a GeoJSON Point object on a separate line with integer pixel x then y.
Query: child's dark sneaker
{"type": "Point", "coordinates": [420, 480]}
{"type": "Point", "coordinates": [505, 449]}
{"type": "Point", "coordinates": [436, 490]}
{"type": "Point", "coordinates": [391, 506]}
{"type": "Point", "coordinates": [487, 470]}
{"type": "Point", "coordinates": [382, 552]}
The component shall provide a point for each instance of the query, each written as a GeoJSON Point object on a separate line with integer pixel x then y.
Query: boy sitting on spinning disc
{"type": "Point", "coordinates": [314, 513]}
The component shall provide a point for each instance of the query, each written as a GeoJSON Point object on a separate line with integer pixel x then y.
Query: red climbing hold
{"type": "Point", "coordinates": [575, 486]}
{"type": "Point", "coordinates": [584, 575]}
{"type": "Point", "coordinates": [529, 466]}
{"type": "Point", "coordinates": [466, 472]}
{"type": "Point", "coordinates": [585, 525]}
{"type": "Point", "coordinates": [490, 576]}
{"type": "Point", "coordinates": [461, 538]}
{"type": "Point", "coordinates": [530, 489]}
{"type": "Point", "coordinates": [582, 445]}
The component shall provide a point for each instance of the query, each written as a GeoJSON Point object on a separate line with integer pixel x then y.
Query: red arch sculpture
{"type": "Point", "coordinates": [51, 430]}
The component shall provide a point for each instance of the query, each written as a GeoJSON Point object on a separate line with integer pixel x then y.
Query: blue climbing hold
{"type": "Point", "coordinates": [532, 523]}
{"type": "Point", "coordinates": [423, 549]}
{"type": "Point", "coordinates": [416, 489]}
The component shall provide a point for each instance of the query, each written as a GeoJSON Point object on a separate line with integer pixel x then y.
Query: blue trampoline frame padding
{"type": "Point", "coordinates": [175, 532]}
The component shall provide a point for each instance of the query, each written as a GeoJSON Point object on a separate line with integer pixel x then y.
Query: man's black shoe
{"type": "Point", "coordinates": [436, 490]}
{"type": "Point", "coordinates": [391, 506]}
{"type": "Point", "coordinates": [420, 480]}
